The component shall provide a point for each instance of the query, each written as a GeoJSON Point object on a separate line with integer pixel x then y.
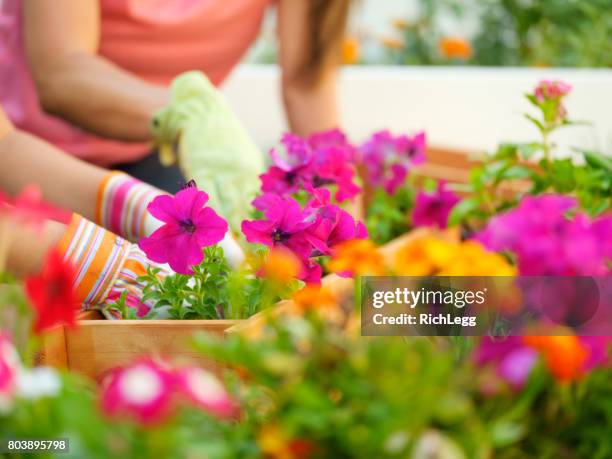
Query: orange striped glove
{"type": "Point", "coordinates": [107, 267]}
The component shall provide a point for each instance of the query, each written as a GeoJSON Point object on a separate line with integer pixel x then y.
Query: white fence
{"type": "Point", "coordinates": [461, 107]}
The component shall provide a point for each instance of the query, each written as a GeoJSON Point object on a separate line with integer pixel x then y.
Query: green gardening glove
{"type": "Point", "coordinates": [212, 146]}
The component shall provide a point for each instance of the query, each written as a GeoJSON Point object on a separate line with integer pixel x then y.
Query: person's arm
{"type": "Point", "coordinates": [74, 82]}
{"type": "Point", "coordinates": [308, 88]}
{"type": "Point", "coordinates": [112, 199]}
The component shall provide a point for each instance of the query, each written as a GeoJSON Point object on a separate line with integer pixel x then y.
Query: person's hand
{"type": "Point", "coordinates": [213, 147]}
{"type": "Point", "coordinates": [107, 268]}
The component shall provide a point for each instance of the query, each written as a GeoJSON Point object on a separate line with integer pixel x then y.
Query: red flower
{"type": "Point", "coordinates": [30, 208]}
{"type": "Point", "coordinates": [51, 293]}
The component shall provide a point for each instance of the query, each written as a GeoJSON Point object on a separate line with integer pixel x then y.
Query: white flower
{"type": "Point", "coordinates": [38, 382]}
{"type": "Point", "coordinates": [140, 385]}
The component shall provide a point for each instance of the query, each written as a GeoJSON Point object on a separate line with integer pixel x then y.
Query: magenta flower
{"type": "Point", "coordinates": [333, 167]}
{"type": "Point", "coordinates": [288, 175]}
{"type": "Point", "coordinates": [285, 224]}
{"type": "Point", "coordinates": [333, 224]}
{"type": "Point", "coordinates": [323, 160]}
{"type": "Point", "coordinates": [433, 209]}
{"type": "Point", "coordinates": [602, 228]}
{"type": "Point", "coordinates": [205, 390]}
{"type": "Point", "coordinates": [387, 158]}
{"type": "Point", "coordinates": [142, 391]}
{"type": "Point", "coordinates": [511, 359]}
{"type": "Point", "coordinates": [9, 367]}
{"type": "Point", "coordinates": [547, 242]}
{"type": "Point", "coordinates": [308, 233]}
{"type": "Point", "coordinates": [598, 348]}
{"type": "Point", "coordinates": [189, 227]}
{"type": "Point", "coordinates": [331, 138]}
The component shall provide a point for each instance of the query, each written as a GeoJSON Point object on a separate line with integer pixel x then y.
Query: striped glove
{"type": "Point", "coordinates": [107, 267]}
{"type": "Point", "coordinates": [122, 208]}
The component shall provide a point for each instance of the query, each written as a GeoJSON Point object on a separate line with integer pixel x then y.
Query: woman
{"type": "Point", "coordinates": [88, 75]}
{"type": "Point", "coordinates": [110, 211]}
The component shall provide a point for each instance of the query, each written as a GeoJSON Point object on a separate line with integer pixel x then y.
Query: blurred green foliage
{"type": "Point", "coordinates": [543, 33]}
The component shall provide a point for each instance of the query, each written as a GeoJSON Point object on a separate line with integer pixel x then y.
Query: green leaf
{"type": "Point", "coordinates": [518, 172]}
{"type": "Point", "coordinates": [527, 150]}
{"type": "Point", "coordinates": [462, 210]}
{"type": "Point", "coordinates": [597, 160]}
{"type": "Point", "coordinates": [537, 122]}
{"type": "Point", "coordinates": [562, 176]}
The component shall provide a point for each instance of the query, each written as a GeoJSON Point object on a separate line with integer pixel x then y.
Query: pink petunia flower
{"type": "Point", "coordinates": [387, 158]}
{"type": "Point", "coordinates": [511, 359]}
{"type": "Point", "coordinates": [331, 138]}
{"type": "Point", "coordinates": [308, 233]}
{"type": "Point", "coordinates": [285, 224]}
{"type": "Point", "coordinates": [433, 209]}
{"type": "Point", "coordinates": [9, 367]}
{"type": "Point", "coordinates": [333, 166]}
{"type": "Point", "coordinates": [333, 224]}
{"type": "Point", "coordinates": [206, 391]}
{"type": "Point", "coordinates": [324, 159]}
{"type": "Point", "coordinates": [288, 175]}
{"type": "Point", "coordinates": [189, 227]}
{"type": "Point", "coordinates": [142, 391]}
{"type": "Point", "coordinates": [547, 242]}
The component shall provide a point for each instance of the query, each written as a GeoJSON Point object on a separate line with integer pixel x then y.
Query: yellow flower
{"type": "Point", "coordinates": [429, 256]}
{"type": "Point", "coordinates": [472, 259]}
{"type": "Point", "coordinates": [350, 51]}
{"type": "Point", "coordinates": [422, 256]}
{"type": "Point", "coordinates": [455, 48]}
{"type": "Point", "coordinates": [359, 257]}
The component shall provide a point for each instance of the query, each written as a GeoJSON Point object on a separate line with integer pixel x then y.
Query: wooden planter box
{"type": "Point", "coordinates": [98, 345]}
{"type": "Point", "coordinates": [341, 287]}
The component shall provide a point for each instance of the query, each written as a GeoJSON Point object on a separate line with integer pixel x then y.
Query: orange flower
{"type": "Point", "coordinates": [358, 256]}
{"type": "Point", "coordinates": [455, 48]}
{"type": "Point", "coordinates": [315, 298]}
{"type": "Point", "coordinates": [281, 266]}
{"type": "Point", "coordinates": [350, 51]}
{"type": "Point", "coordinates": [393, 43]}
{"type": "Point", "coordinates": [429, 256]}
{"type": "Point", "coordinates": [565, 356]}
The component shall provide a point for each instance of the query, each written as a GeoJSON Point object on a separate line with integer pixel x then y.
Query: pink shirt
{"type": "Point", "coordinates": [154, 39]}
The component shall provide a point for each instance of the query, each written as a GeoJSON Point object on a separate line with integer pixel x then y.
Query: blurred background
{"type": "Point", "coordinates": [455, 68]}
